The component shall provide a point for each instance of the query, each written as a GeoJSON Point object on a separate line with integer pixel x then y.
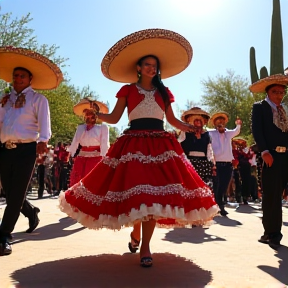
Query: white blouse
{"type": "Point", "coordinates": [98, 135]}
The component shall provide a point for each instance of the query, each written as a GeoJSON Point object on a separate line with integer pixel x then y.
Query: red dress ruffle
{"type": "Point", "coordinates": [144, 174]}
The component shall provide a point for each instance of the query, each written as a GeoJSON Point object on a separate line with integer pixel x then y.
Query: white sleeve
{"type": "Point", "coordinates": [182, 136]}
{"type": "Point", "coordinates": [75, 142]}
{"type": "Point", "coordinates": [104, 140]}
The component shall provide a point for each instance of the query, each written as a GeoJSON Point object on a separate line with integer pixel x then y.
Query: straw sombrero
{"type": "Point", "coordinates": [87, 103]}
{"type": "Point", "coordinates": [173, 51]}
{"type": "Point", "coordinates": [260, 86]}
{"type": "Point", "coordinates": [46, 74]}
{"type": "Point", "coordinates": [239, 141]}
{"type": "Point", "coordinates": [223, 114]}
{"type": "Point", "coordinates": [195, 111]}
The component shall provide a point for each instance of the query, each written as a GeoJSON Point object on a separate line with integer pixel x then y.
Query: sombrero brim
{"type": "Point", "coordinates": [262, 84]}
{"type": "Point", "coordinates": [239, 140]}
{"type": "Point", "coordinates": [173, 51]}
{"type": "Point", "coordinates": [46, 74]}
{"type": "Point", "coordinates": [195, 112]}
{"type": "Point", "coordinates": [85, 104]}
{"type": "Point", "coordinates": [216, 115]}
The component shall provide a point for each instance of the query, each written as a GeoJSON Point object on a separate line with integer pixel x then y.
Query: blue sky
{"type": "Point", "coordinates": [221, 33]}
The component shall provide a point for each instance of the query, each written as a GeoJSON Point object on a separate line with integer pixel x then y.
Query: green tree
{"type": "Point", "coordinates": [15, 32]}
{"type": "Point", "coordinates": [113, 134]}
{"type": "Point", "coordinates": [230, 93]}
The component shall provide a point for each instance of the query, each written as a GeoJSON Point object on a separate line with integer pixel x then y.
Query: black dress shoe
{"type": "Point", "coordinates": [5, 248]}
{"type": "Point", "coordinates": [33, 221]}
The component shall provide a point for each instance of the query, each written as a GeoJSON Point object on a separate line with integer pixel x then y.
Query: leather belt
{"type": "Point", "coordinates": [11, 144]}
{"type": "Point", "coordinates": [280, 149]}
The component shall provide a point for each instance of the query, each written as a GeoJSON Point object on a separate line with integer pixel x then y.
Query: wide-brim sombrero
{"type": "Point", "coordinates": [88, 104]}
{"type": "Point", "coordinates": [46, 74]}
{"type": "Point", "coordinates": [173, 51]}
{"type": "Point", "coordinates": [262, 84]}
{"type": "Point", "coordinates": [223, 114]}
{"type": "Point", "coordinates": [194, 111]}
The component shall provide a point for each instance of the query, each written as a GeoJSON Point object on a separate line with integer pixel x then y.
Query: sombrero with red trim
{"type": "Point", "coordinates": [87, 103]}
{"type": "Point", "coordinates": [262, 84]}
{"type": "Point", "coordinates": [46, 74]}
{"type": "Point", "coordinates": [173, 51]}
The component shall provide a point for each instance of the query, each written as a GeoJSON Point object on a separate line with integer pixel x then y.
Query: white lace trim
{"type": "Point", "coordinates": [147, 108]}
{"type": "Point", "coordinates": [81, 191]}
{"type": "Point", "coordinates": [139, 156]}
{"type": "Point", "coordinates": [156, 211]}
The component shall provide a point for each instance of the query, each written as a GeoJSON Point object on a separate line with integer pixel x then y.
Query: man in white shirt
{"type": "Point", "coordinates": [25, 131]}
{"type": "Point", "coordinates": [222, 148]}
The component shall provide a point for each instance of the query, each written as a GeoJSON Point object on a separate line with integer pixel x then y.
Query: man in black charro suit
{"type": "Point", "coordinates": [270, 131]}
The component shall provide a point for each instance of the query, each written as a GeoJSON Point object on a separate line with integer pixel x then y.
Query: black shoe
{"type": "Point", "coordinates": [5, 248]}
{"type": "Point", "coordinates": [223, 212]}
{"type": "Point", "coordinates": [264, 239]}
{"type": "Point", "coordinates": [33, 221]}
{"type": "Point", "coordinates": [146, 262]}
{"type": "Point", "coordinates": [133, 245]}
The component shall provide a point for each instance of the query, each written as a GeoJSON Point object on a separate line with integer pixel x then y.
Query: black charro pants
{"type": "Point", "coordinates": [16, 166]}
{"type": "Point", "coordinates": [221, 181]}
{"type": "Point", "coordinates": [274, 180]}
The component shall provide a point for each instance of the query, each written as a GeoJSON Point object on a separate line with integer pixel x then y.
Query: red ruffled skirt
{"type": "Point", "coordinates": [84, 164]}
{"type": "Point", "coordinates": [144, 175]}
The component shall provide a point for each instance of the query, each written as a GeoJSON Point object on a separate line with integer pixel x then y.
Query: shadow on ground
{"type": "Point", "coordinates": [281, 272]}
{"type": "Point", "coordinates": [109, 270]}
{"type": "Point", "coordinates": [190, 235]}
{"type": "Point", "coordinates": [51, 231]}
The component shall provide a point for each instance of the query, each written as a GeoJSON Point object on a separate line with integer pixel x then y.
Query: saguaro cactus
{"type": "Point", "coordinates": [276, 48]}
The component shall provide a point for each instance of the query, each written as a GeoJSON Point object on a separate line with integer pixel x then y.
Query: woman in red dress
{"type": "Point", "coordinates": [145, 178]}
{"type": "Point", "coordinates": [93, 138]}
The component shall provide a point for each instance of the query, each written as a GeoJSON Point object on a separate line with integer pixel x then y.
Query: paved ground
{"type": "Point", "coordinates": [61, 253]}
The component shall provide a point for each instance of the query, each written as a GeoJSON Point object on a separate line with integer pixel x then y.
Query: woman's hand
{"type": "Point", "coordinates": [188, 128]}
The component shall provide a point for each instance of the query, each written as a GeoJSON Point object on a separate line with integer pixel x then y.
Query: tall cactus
{"type": "Point", "coordinates": [276, 52]}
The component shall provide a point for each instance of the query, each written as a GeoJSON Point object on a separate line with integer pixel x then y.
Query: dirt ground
{"type": "Point", "coordinates": [61, 253]}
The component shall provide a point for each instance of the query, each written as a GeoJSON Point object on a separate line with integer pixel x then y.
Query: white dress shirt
{"type": "Point", "coordinates": [221, 143]}
{"type": "Point", "coordinates": [98, 135]}
{"type": "Point", "coordinates": [28, 123]}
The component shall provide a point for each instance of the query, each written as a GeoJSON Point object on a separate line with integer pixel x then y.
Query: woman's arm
{"type": "Point", "coordinates": [177, 123]}
{"type": "Point", "coordinates": [116, 114]}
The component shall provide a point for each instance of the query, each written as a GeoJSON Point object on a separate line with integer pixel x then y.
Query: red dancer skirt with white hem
{"type": "Point", "coordinates": [81, 167]}
{"type": "Point", "coordinates": [144, 175]}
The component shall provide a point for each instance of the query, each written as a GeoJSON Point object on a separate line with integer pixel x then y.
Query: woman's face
{"type": "Point", "coordinates": [90, 117]}
{"type": "Point", "coordinates": [148, 67]}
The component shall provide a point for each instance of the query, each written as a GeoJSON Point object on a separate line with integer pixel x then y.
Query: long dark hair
{"type": "Point", "coordinates": [156, 80]}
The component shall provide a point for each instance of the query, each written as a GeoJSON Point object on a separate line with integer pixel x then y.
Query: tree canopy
{"type": "Point", "coordinates": [231, 94]}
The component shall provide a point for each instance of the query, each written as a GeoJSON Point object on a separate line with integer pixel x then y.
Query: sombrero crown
{"type": "Point", "coordinates": [173, 51]}
{"type": "Point", "coordinates": [223, 114]}
{"type": "Point", "coordinates": [195, 111]}
{"type": "Point", "coordinates": [46, 74]}
{"type": "Point", "coordinates": [261, 85]}
{"type": "Point", "coordinates": [87, 103]}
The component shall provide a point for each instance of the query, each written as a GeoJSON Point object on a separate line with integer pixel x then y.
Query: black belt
{"type": "Point", "coordinates": [13, 145]}
{"type": "Point", "coordinates": [147, 124]}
